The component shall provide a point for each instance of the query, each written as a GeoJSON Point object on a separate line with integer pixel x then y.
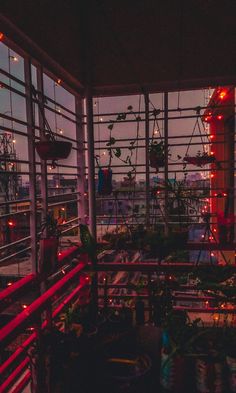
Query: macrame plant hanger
{"type": "Point", "coordinates": [156, 135]}
{"type": "Point", "coordinates": [201, 159]}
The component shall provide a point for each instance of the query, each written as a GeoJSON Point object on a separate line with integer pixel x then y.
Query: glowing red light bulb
{"type": "Point", "coordinates": [1, 36]}
{"type": "Point", "coordinates": [219, 117]}
{"type": "Point", "coordinates": [222, 94]}
{"type": "Point", "coordinates": [212, 175]}
{"type": "Point", "coordinates": [10, 223]}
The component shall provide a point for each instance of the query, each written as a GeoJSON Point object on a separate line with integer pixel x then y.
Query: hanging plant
{"type": "Point", "coordinates": [52, 150]}
{"type": "Point", "coordinates": [48, 148]}
{"type": "Point", "coordinates": [105, 174]}
{"type": "Point", "coordinates": [157, 147]}
{"type": "Point", "coordinates": [157, 155]}
{"type": "Point", "coordinates": [48, 245]}
{"type": "Point", "coordinates": [201, 159]}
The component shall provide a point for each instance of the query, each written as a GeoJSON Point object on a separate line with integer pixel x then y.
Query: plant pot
{"type": "Point", "coordinates": [156, 161]}
{"type": "Point", "coordinates": [48, 255]}
{"type": "Point", "coordinates": [209, 375]}
{"type": "Point", "coordinates": [53, 150]}
{"type": "Point", "coordinates": [104, 181]}
{"type": "Point", "coordinates": [176, 373]}
{"type": "Point", "coordinates": [200, 161]}
{"type": "Point", "coordinates": [127, 373]}
{"type": "Point", "coordinates": [231, 365]}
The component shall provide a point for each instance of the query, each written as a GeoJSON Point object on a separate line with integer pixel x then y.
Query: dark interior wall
{"type": "Point", "coordinates": [133, 45]}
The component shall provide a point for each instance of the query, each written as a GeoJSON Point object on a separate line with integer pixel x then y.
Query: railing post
{"type": "Point", "coordinates": [166, 160]}
{"type": "Point", "coordinates": [44, 192]}
{"type": "Point", "coordinates": [91, 168]}
{"type": "Point", "coordinates": [32, 166]}
{"type": "Point", "coordinates": [149, 297]}
{"type": "Point", "coordinates": [147, 191]}
{"type": "Point", "coordinates": [80, 160]}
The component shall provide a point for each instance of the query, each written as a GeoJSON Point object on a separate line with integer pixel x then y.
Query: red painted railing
{"type": "Point", "coordinates": [18, 361]}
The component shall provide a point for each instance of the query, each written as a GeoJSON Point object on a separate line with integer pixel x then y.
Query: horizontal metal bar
{"type": "Point", "coordinates": [12, 329]}
{"type": "Point", "coordinates": [14, 255]}
{"type": "Point", "coordinates": [14, 202]}
{"type": "Point", "coordinates": [162, 110]}
{"type": "Point", "coordinates": [63, 202]}
{"type": "Point", "coordinates": [70, 221]}
{"type": "Point", "coordinates": [14, 78]}
{"type": "Point", "coordinates": [9, 382]}
{"type": "Point", "coordinates": [63, 195]}
{"type": "Point", "coordinates": [70, 229]}
{"type": "Point", "coordinates": [61, 106]}
{"type": "Point", "coordinates": [62, 174]}
{"type": "Point", "coordinates": [12, 292]}
{"type": "Point", "coordinates": [19, 388]}
{"type": "Point", "coordinates": [183, 136]}
{"type": "Point", "coordinates": [155, 266]}
{"type": "Point", "coordinates": [60, 114]}
{"type": "Point", "coordinates": [74, 294]}
{"type": "Point", "coordinates": [13, 131]}
{"type": "Point", "coordinates": [17, 355]}
{"type": "Point", "coordinates": [15, 213]}
{"type": "Point", "coordinates": [24, 239]}
{"type": "Point", "coordinates": [12, 89]}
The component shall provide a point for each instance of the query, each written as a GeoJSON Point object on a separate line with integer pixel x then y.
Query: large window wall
{"type": "Point", "coordinates": [30, 187]}
{"type": "Point", "coordinates": [196, 131]}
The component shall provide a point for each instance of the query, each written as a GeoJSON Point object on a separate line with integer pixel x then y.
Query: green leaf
{"type": "Point", "coordinates": [111, 142]}
{"type": "Point", "coordinates": [121, 116]}
{"type": "Point", "coordinates": [117, 152]}
{"type": "Point", "coordinates": [110, 127]}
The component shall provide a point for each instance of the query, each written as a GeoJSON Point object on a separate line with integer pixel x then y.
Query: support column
{"type": "Point", "coordinates": [91, 168]}
{"type": "Point", "coordinates": [147, 190]}
{"type": "Point", "coordinates": [166, 160]}
{"type": "Point", "coordinates": [32, 166]}
{"type": "Point", "coordinates": [80, 160]}
{"type": "Point", "coordinates": [44, 190]}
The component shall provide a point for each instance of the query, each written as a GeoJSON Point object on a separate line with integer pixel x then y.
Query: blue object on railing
{"type": "Point", "coordinates": [104, 181]}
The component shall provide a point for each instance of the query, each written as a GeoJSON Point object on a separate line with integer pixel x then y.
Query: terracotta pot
{"type": "Point", "coordinates": [53, 150]}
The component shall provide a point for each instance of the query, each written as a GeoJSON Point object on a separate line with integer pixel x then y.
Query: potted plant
{"type": "Point", "coordinates": [48, 245]}
{"type": "Point", "coordinates": [157, 154]}
{"type": "Point", "coordinates": [200, 159]}
{"type": "Point", "coordinates": [209, 364]}
{"type": "Point", "coordinates": [48, 148]}
{"type": "Point", "coordinates": [178, 338]}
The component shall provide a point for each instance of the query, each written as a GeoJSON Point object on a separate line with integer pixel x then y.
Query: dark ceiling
{"type": "Point", "coordinates": [127, 46]}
